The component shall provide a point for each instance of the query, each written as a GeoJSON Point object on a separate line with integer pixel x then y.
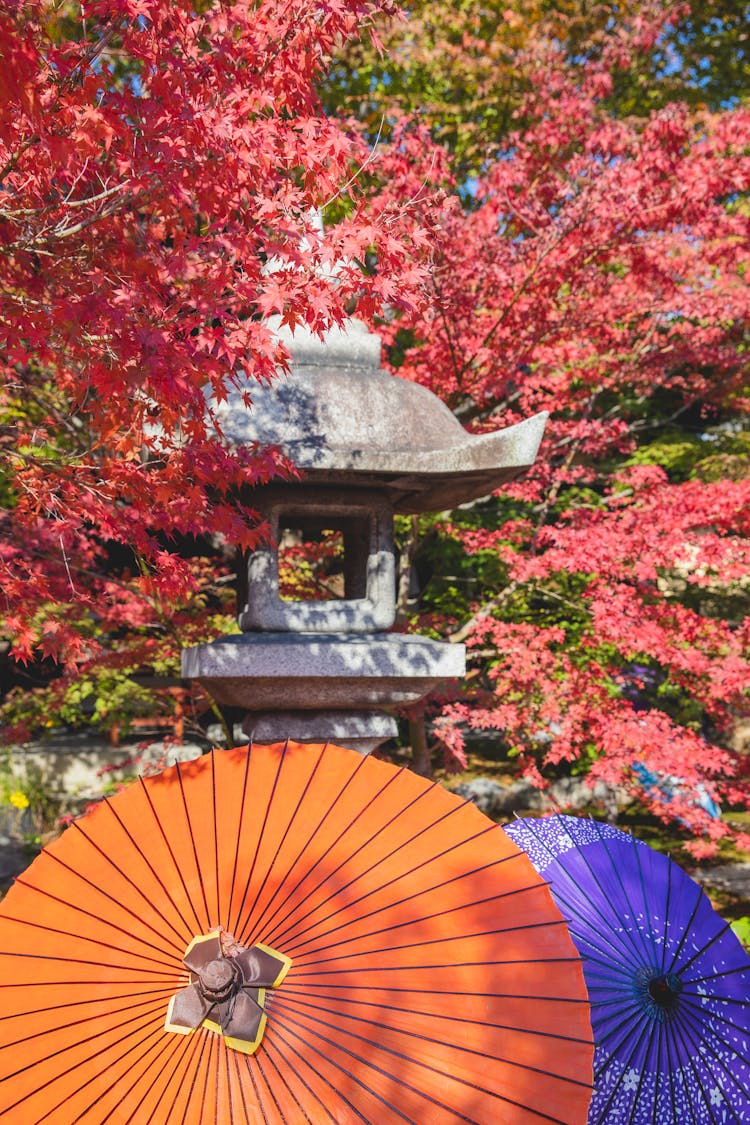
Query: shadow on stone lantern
{"type": "Point", "coordinates": [368, 445]}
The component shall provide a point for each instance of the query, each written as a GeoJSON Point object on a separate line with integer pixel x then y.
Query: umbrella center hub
{"type": "Point", "coordinates": [659, 992]}
{"type": "Point", "coordinates": [219, 979]}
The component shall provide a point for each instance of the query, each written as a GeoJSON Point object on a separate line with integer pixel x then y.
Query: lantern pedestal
{"type": "Point", "coordinates": [328, 684]}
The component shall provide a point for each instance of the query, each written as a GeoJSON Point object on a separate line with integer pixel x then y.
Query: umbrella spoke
{"type": "Point", "coordinates": [698, 1024]}
{"type": "Point", "coordinates": [32, 923]}
{"type": "Point", "coordinates": [98, 919]}
{"type": "Point", "coordinates": [302, 964]}
{"type": "Point", "coordinates": [301, 959]}
{"type": "Point", "coordinates": [686, 930]}
{"type": "Point", "coordinates": [450, 1042]}
{"type": "Point", "coordinates": [307, 996]}
{"type": "Point", "coordinates": [144, 857]}
{"type": "Point", "coordinates": [280, 1083]}
{"type": "Point", "coordinates": [291, 1023]}
{"type": "Point", "coordinates": [273, 1048]}
{"type": "Point", "coordinates": [279, 846]}
{"type": "Point", "coordinates": [418, 1062]}
{"type": "Point", "coordinates": [266, 812]}
{"type": "Point", "coordinates": [177, 867]}
{"type": "Point", "coordinates": [636, 1097]}
{"type": "Point", "coordinates": [589, 904]}
{"type": "Point", "coordinates": [302, 1057]}
{"type": "Point", "coordinates": [199, 870]}
{"type": "Point", "coordinates": [431, 889]}
{"type": "Point", "coordinates": [602, 1119]}
{"type": "Point", "coordinates": [626, 1026]}
{"type": "Point", "coordinates": [291, 934]}
{"type": "Point", "coordinates": [306, 845]}
{"type": "Point", "coordinates": [131, 882]}
{"type": "Point", "coordinates": [690, 1049]}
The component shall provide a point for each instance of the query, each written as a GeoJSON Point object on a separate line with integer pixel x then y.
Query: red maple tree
{"type": "Point", "coordinates": [599, 272]}
{"type": "Point", "coordinates": [155, 156]}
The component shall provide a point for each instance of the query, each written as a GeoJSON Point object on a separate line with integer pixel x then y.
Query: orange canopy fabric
{"type": "Point", "coordinates": [432, 977]}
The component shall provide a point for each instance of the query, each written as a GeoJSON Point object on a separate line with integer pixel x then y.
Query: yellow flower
{"type": "Point", "coordinates": [19, 800]}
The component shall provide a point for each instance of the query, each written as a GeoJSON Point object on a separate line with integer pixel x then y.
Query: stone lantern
{"type": "Point", "coordinates": [368, 445]}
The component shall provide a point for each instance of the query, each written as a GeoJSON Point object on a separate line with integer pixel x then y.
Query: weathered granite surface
{"type": "Point", "coordinates": [340, 418]}
{"type": "Point", "coordinates": [336, 671]}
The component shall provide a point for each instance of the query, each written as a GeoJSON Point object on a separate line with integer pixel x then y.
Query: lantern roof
{"type": "Point", "coordinates": [342, 420]}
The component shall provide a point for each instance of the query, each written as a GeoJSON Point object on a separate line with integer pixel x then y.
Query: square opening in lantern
{"type": "Point", "coordinates": [330, 567]}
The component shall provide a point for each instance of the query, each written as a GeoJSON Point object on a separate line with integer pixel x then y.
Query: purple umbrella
{"type": "Point", "coordinates": [669, 982]}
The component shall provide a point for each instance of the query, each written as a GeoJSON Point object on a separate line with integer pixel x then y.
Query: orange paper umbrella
{"type": "Point", "coordinates": [288, 934]}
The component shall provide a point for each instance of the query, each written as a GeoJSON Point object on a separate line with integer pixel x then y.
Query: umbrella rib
{"type": "Point", "coordinates": [33, 924]}
{"type": "Point", "coordinates": [673, 1067]}
{"type": "Point", "coordinates": [713, 1015]}
{"type": "Point", "coordinates": [274, 1047]}
{"type": "Point", "coordinates": [430, 1015]}
{"type": "Point", "coordinates": [633, 933]}
{"type": "Point", "coordinates": [686, 929]}
{"type": "Point", "coordinates": [290, 822]}
{"type": "Point", "coordinates": [368, 1063]}
{"type": "Point", "coordinates": [649, 947]}
{"type": "Point", "coordinates": [78, 1022]}
{"type": "Point", "coordinates": [561, 898]}
{"type": "Point", "coordinates": [689, 1041]}
{"type": "Point", "coordinates": [256, 1091]}
{"type": "Point", "coordinates": [666, 918]}
{"type": "Point", "coordinates": [150, 866]}
{"type": "Point", "coordinates": [192, 841]}
{"type": "Point", "coordinates": [264, 1058]}
{"type": "Point", "coordinates": [177, 867]}
{"type": "Point", "coordinates": [275, 935]}
{"type": "Point", "coordinates": [139, 1078]}
{"type": "Point", "coordinates": [227, 1052]}
{"type": "Point", "coordinates": [98, 919]}
{"type": "Point", "coordinates": [420, 1063]}
{"type": "Point", "coordinates": [240, 1083]}
{"type": "Point", "coordinates": [149, 901]}
{"type": "Point", "coordinates": [408, 898]}
{"type": "Point", "coordinates": [75, 961]}
{"type": "Point", "coordinates": [413, 968]}
{"type": "Point", "coordinates": [279, 766]}
{"type": "Point", "coordinates": [410, 922]}
{"type": "Point", "coordinates": [79, 1042]}
{"type": "Point", "coordinates": [292, 949]}
{"type": "Point", "coordinates": [437, 1042]}
{"type": "Point", "coordinates": [602, 1120]}
{"type": "Point", "coordinates": [302, 964]}
{"type": "Point", "coordinates": [185, 1056]}
{"type": "Point", "coordinates": [89, 1058]}
{"type": "Point", "coordinates": [725, 928]}
{"type": "Point", "coordinates": [238, 836]}
{"type": "Point", "coordinates": [216, 840]}
{"type": "Point", "coordinates": [636, 1097]}
{"type": "Point", "coordinates": [109, 897]}
{"type": "Point", "coordinates": [288, 986]}
{"type": "Point", "coordinates": [167, 990]}
{"type": "Point", "coordinates": [716, 975]}
{"type": "Point", "coordinates": [659, 1044]}
{"type": "Point", "coordinates": [278, 1034]}
{"type": "Point", "coordinates": [204, 1042]}
{"type": "Point", "coordinates": [696, 1021]}
{"type": "Point", "coordinates": [311, 837]}
{"type": "Point", "coordinates": [296, 934]}
{"type": "Point", "coordinates": [625, 1025]}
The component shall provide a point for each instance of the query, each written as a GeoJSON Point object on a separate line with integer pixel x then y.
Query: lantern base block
{"type": "Point", "coordinates": [261, 672]}
{"type": "Point", "coordinates": [362, 731]}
